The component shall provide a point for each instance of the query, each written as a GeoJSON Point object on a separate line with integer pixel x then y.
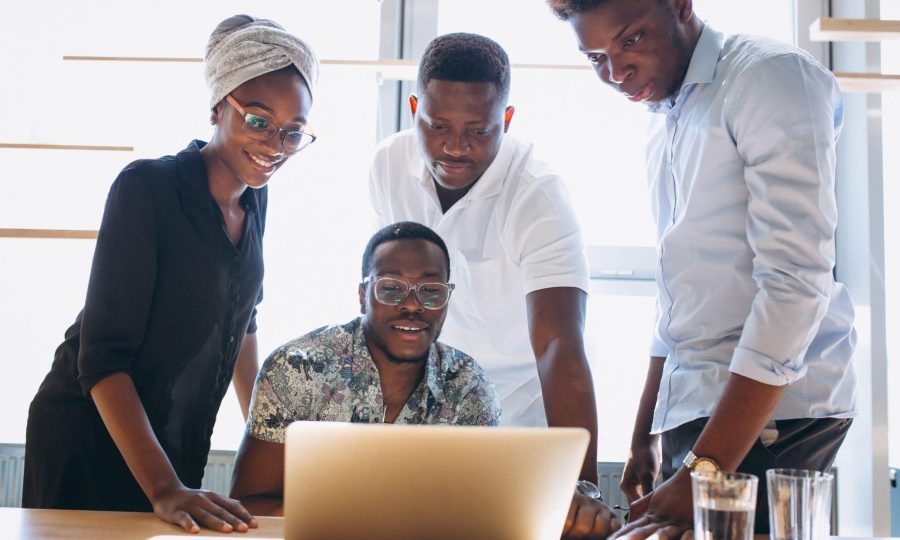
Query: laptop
{"type": "Point", "coordinates": [384, 481]}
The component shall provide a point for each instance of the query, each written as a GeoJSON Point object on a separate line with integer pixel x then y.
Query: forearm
{"type": "Point", "coordinates": [568, 392]}
{"type": "Point", "coordinates": [245, 372]}
{"type": "Point", "coordinates": [743, 411]}
{"type": "Point", "coordinates": [124, 417]}
{"type": "Point", "coordinates": [643, 421]}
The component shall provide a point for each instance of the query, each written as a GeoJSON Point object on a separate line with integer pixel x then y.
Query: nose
{"type": "Point", "coordinates": [411, 302]}
{"type": "Point", "coordinates": [456, 144]}
{"type": "Point", "coordinates": [618, 70]}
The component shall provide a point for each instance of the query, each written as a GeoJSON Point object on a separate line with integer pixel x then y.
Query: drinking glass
{"type": "Point", "coordinates": [799, 504]}
{"type": "Point", "coordinates": [724, 505]}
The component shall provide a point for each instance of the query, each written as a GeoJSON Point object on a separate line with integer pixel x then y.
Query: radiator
{"type": "Point", "coordinates": [12, 469]}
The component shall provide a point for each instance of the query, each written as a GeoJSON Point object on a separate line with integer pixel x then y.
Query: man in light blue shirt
{"type": "Point", "coordinates": [751, 358]}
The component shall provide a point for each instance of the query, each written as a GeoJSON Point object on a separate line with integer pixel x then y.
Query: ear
{"type": "Point", "coordinates": [507, 117]}
{"type": "Point", "coordinates": [362, 298]}
{"type": "Point", "coordinates": [684, 10]}
{"type": "Point", "coordinates": [214, 115]}
{"type": "Point", "coordinates": [413, 104]}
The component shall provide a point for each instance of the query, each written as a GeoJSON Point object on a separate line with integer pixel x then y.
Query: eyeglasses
{"type": "Point", "coordinates": [392, 292]}
{"type": "Point", "coordinates": [262, 129]}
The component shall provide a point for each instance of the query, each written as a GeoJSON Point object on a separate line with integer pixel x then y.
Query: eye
{"type": "Point", "coordinates": [436, 126]}
{"type": "Point", "coordinates": [479, 132]}
{"type": "Point", "coordinates": [596, 58]}
{"type": "Point", "coordinates": [256, 122]}
{"type": "Point", "coordinates": [293, 135]}
{"type": "Point", "coordinates": [633, 38]}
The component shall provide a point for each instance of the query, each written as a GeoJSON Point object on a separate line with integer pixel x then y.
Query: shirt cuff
{"type": "Point", "coordinates": [764, 369]}
{"type": "Point", "coordinates": [658, 348]}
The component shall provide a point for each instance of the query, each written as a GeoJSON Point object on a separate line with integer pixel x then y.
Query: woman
{"type": "Point", "coordinates": [124, 418]}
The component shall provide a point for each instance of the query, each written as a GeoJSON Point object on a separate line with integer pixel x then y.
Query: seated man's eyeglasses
{"type": "Point", "coordinates": [262, 129]}
{"type": "Point", "coordinates": [392, 292]}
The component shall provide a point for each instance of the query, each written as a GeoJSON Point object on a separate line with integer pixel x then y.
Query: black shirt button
{"type": "Point", "coordinates": [230, 339]}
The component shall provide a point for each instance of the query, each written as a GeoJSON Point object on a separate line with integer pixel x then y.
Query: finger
{"type": "Point", "coordinates": [630, 527]}
{"type": "Point", "coordinates": [185, 521]}
{"type": "Point", "coordinates": [235, 509]}
{"type": "Point", "coordinates": [570, 517]}
{"type": "Point", "coordinates": [648, 530]}
{"type": "Point", "coordinates": [688, 535]}
{"type": "Point", "coordinates": [211, 521]}
{"type": "Point", "coordinates": [669, 532]}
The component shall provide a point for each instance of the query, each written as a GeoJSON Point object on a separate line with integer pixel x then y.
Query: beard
{"type": "Point", "coordinates": [374, 340]}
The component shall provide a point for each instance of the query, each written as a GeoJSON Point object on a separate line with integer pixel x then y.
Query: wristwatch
{"type": "Point", "coordinates": [588, 489]}
{"type": "Point", "coordinates": [700, 464]}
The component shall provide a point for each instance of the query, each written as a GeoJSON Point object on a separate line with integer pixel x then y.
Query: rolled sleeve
{"type": "Point", "coordinates": [787, 142]}
{"type": "Point", "coordinates": [123, 276]}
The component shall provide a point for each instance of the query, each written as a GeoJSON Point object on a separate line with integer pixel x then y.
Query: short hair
{"type": "Point", "coordinates": [564, 9]}
{"type": "Point", "coordinates": [404, 230]}
{"type": "Point", "coordinates": [464, 57]}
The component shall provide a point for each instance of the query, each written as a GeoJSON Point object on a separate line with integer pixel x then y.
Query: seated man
{"type": "Point", "coordinates": [385, 366]}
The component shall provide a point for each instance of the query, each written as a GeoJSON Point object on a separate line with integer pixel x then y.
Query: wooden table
{"type": "Point", "coordinates": [26, 524]}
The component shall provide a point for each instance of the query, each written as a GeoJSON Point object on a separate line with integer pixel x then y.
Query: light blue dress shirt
{"type": "Point", "coordinates": [741, 166]}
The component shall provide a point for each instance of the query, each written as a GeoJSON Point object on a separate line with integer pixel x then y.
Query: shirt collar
{"type": "Point", "coordinates": [193, 181]}
{"type": "Point", "coordinates": [434, 367]}
{"type": "Point", "coordinates": [489, 185]}
{"type": "Point", "coordinates": [701, 69]}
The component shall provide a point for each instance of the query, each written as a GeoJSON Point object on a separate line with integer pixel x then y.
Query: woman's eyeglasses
{"type": "Point", "coordinates": [393, 292]}
{"type": "Point", "coordinates": [262, 129]}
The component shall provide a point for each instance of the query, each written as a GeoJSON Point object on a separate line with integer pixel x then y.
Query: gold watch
{"type": "Point", "coordinates": [700, 464]}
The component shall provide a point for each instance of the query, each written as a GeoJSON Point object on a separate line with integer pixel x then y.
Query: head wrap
{"type": "Point", "coordinates": [244, 47]}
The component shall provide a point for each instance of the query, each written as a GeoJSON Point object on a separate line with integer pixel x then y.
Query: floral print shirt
{"type": "Point", "coordinates": [328, 375]}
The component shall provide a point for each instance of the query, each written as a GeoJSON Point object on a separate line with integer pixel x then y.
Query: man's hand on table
{"type": "Point", "coordinates": [187, 507]}
{"type": "Point", "coordinates": [589, 518]}
{"type": "Point", "coordinates": [667, 512]}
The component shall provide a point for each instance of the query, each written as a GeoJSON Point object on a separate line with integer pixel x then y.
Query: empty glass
{"type": "Point", "coordinates": [799, 504]}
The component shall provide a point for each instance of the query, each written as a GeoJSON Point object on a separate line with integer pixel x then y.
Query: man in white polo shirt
{"type": "Point", "coordinates": [515, 245]}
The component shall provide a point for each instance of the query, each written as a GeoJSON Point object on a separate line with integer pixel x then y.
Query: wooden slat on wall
{"type": "Point", "coordinates": [78, 234]}
{"type": "Point", "coordinates": [30, 146]}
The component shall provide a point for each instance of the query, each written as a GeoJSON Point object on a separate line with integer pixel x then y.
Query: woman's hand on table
{"type": "Point", "coordinates": [187, 507]}
{"type": "Point", "coordinates": [589, 518]}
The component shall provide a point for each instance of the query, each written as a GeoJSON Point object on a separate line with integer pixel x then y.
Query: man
{"type": "Point", "coordinates": [385, 366]}
{"type": "Point", "coordinates": [514, 240]}
{"type": "Point", "coordinates": [751, 362]}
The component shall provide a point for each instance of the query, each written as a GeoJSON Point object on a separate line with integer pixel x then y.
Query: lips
{"type": "Point", "coordinates": [453, 167]}
{"type": "Point", "coordinates": [641, 94]}
{"type": "Point", "coordinates": [264, 163]}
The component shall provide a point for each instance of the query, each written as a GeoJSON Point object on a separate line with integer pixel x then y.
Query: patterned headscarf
{"type": "Point", "coordinates": [244, 47]}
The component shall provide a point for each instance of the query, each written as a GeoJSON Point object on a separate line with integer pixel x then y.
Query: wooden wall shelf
{"type": "Point", "coordinates": [830, 29]}
{"type": "Point", "coordinates": [867, 82]}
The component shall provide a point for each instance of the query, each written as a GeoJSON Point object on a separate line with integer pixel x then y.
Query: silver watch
{"type": "Point", "coordinates": [588, 489]}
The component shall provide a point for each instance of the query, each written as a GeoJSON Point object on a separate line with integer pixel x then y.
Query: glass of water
{"type": "Point", "coordinates": [724, 505]}
{"type": "Point", "coordinates": [799, 504]}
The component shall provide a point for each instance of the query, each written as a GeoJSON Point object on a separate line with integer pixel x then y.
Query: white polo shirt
{"type": "Point", "coordinates": [513, 233]}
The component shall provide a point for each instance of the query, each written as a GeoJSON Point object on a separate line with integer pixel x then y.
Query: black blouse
{"type": "Point", "coordinates": [169, 301]}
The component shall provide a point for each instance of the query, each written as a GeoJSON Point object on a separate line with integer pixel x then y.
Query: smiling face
{"type": "Point", "coordinates": [642, 48]}
{"type": "Point", "coordinates": [281, 97]}
{"type": "Point", "coordinates": [403, 333]}
{"type": "Point", "coordinates": [459, 127]}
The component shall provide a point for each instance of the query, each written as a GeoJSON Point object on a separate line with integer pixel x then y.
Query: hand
{"type": "Point", "coordinates": [641, 470]}
{"type": "Point", "coordinates": [667, 513]}
{"type": "Point", "coordinates": [182, 506]}
{"type": "Point", "coordinates": [589, 518]}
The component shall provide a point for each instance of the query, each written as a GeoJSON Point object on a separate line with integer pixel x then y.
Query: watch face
{"type": "Point", "coordinates": [589, 489]}
{"type": "Point", "coordinates": [704, 465]}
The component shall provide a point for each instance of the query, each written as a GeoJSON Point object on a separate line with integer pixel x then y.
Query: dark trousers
{"type": "Point", "coordinates": [805, 443]}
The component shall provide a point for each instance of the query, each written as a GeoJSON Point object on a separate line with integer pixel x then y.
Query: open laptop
{"type": "Point", "coordinates": [382, 481]}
